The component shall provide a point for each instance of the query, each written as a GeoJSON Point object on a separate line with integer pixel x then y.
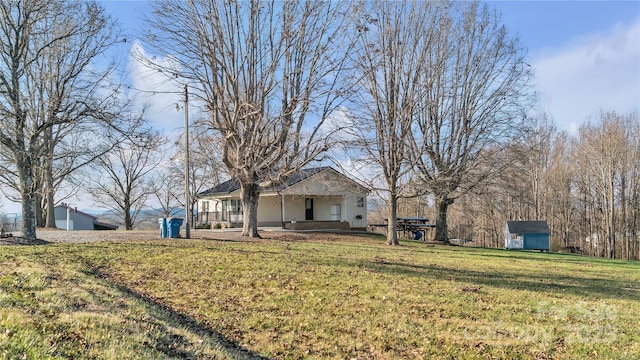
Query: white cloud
{"type": "Point", "coordinates": [158, 91]}
{"type": "Point", "coordinates": [600, 71]}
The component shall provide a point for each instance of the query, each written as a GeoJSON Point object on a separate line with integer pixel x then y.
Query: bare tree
{"type": "Point", "coordinates": [393, 48]}
{"type": "Point", "coordinates": [70, 148]}
{"type": "Point", "coordinates": [560, 177]}
{"type": "Point", "coordinates": [126, 182]}
{"type": "Point", "coordinates": [476, 93]}
{"type": "Point", "coordinates": [585, 186]}
{"type": "Point", "coordinates": [47, 82]}
{"type": "Point", "coordinates": [206, 168]}
{"type": "Point", "coordinates": [164, 191]}
{"type": "Point", "coordinates": [632, 193]}
{"type": "Point", "coordinates": [602, 154]}
{"type": "Point", "coordinates": [268, 72]}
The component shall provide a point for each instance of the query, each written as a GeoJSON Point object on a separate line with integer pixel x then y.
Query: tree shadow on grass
{"type": "Point", "coordinates": [166, 313]}
{"type": "Point", "coordinates": [592, 287]}
{"type": "Point", "coordinates": [554, 257]}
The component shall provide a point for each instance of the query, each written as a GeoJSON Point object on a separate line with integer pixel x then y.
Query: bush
{"type": "Point", "coordinates": [217, 226]}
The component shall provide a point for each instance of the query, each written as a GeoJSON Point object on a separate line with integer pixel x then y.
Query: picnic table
{"type": "Point", "coordinates": [409, 225]}
{"type": "Point", "coordinates": [7, 225]}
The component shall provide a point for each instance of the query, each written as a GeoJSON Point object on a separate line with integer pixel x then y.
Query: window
{"type": "Point", "coordinates": [360, 201]}
{"type": "Point", "coordinates": [205, 206]}
{"type": "Point", "coordinates": [236, 206]}
{"type": "Point", "coordinates": [224, 210]}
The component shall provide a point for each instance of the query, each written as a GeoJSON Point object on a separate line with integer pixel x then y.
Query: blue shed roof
{"type": "Point", "coordinates": [528, 227]}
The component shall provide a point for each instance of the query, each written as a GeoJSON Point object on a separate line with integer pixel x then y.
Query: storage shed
{"type": "Point", "coordinates": [71, 219]}
{"type": "Point", "coordinates": [527, 235]}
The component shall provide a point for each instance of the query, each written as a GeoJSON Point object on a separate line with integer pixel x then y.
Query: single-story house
{"type": "Point", "coordinates": [527, 235]}
{"type": "Point", "coordinates": [71, 219]}
{"type": "Point", "coordinates": [313, 198]}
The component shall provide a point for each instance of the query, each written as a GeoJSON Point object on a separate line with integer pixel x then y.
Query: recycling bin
{"type": "Point", "coordinates": [174, 227]}
{"type": "Point", "coordinates": [164, 229]}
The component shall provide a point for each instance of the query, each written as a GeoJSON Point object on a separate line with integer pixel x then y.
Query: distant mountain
{"type": "Point", "coordinates": [94, 212]}
{"type": "Point", "coordinates": [146, 213]}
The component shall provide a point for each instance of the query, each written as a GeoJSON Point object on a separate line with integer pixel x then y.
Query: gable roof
{"type": "Point", "coordinates": [528, 227]}
{"type": "Point", "coordinates": [232, 185]}
{"type": "Point", "coordinates": [298, 176]}
{"type": "Point", "coordinates": [75, 210]}
{"type": "Point", "coordinates": [226, 187]}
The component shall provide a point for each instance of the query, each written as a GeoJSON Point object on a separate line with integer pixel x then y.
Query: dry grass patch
{"type": "Point", "coordinates": [52, 306]}
{"type": "Point", "coordinates": [337, 296]}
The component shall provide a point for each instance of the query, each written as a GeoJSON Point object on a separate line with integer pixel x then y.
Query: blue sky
{"type": "Point", "coordinates": [586, 55]}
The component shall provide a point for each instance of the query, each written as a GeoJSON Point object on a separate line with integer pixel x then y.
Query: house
{"type": "Point", "coordinates": [527, 235]}
{"type": "Point", "coordinates": [313, 198]}
{"type": "Point", "coordinates": [78, 220]}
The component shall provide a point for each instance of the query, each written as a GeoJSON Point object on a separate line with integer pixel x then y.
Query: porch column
{"type": "Point", "coordinates": [282, 210]}
{"type": "Point", "coordinates": [345, 207]}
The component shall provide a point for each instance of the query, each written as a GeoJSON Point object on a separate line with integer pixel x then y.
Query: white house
{"type": "Point", "coordinates": [318, 197]}
{"type": "Point", "coordinates": [72, 219]}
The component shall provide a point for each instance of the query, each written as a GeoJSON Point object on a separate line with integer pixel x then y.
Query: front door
{"type": "Point", "coordinates": [308, 209]}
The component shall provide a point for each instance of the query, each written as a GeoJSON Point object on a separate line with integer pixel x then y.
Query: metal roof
{"type": "Point", "coordinates": [528, 227]}
{"type": "Point", "coordinates": [226, 187]}
{"type": "Point", "coordinates": [232, 185]}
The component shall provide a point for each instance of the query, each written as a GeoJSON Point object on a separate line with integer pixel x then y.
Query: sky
{"type": "Point", "coordinates": [585, 54]}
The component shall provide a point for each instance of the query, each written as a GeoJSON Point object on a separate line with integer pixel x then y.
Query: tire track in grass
{"type": "Point", "coordinates": [169, 318]}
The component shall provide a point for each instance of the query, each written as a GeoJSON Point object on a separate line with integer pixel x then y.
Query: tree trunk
{"type": "Point", "coordinates": [612, 226]}
{"type": "Point", "coordinates": [442, 204]}
{"type": "Point", "coordinates": [25, 173]}
{"type": "Point", "coordinates": [128, 221]}
{"type": "Point", "coordinates": [51, 215]}
{"type": "Point", "coordinates": [634, 223]}
{"type": "Point", "coordinates": [50, 221]}
{"type": "Point", "coordinates": [392, 231]}
{"type": "Point", "coordinates": [39, 209]}
{"type": "Point", "coordinates": [250, 194]}
{"type": "Point", "coordinates": [623, 216]}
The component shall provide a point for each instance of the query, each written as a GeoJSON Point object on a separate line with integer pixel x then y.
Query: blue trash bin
{"type": "Point", "coordinates": [174, 227]}
{"type": "Point", "coordinates": [164, 229]}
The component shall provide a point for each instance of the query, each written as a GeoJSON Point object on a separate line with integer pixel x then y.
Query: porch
{"type": "Point", "coordinates": [295, 212]}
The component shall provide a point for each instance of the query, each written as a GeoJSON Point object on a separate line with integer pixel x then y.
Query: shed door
{"type": "Point", "coordinates": [308, 209]}
{"type": "Point", "coordinates": [536, 241]}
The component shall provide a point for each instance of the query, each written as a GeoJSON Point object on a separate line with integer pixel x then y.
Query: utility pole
{"type": "Point", "coordinates": [187, 203]}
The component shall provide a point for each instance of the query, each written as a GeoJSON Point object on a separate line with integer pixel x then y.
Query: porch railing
{"type": "Point", "coordinates": [219, 216]}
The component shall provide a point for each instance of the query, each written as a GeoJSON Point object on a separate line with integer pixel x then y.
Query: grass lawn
{"type": "Point", "coordinates": [333, 296]}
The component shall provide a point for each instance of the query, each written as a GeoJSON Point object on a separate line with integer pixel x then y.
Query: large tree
{"type": "Point", "coordinates": [269, 74]}
{"type": "Point", "coordinates": [392, 50]}
{"type": "Point", "coordinates": [48, 82]}
{"type": "Point", "coordinates": [476, 93]}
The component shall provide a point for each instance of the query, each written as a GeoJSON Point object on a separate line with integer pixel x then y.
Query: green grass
{"type": "Point", "coordinates": [339, 297]}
